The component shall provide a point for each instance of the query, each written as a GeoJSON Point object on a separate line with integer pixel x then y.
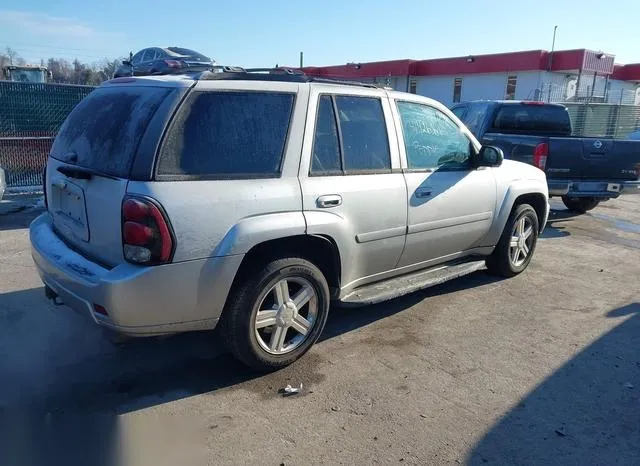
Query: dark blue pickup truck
{"type": "Point", "coordinates": [583, 171]}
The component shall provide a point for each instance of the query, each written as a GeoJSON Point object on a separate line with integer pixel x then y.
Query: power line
{"type": "Point", "coordinates": [18, 44]}
{"type": "Point", "coordinates": [42, 50]}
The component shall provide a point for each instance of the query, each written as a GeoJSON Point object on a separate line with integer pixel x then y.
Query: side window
{"type": "Point", "coordinates": [475, 116]}
{"type": "Point", "coordinates": [326, 147]}
{"type": "Point", "coordinates": [137, 58]}
{"type": "Point", "coordinates": [431, 139]}
{"type": "Point", "coordinates": [365, 142]}
{"type": "Point", "coordinates": [459, 112]}
{"type": "Point", "coordinates": [148, 55]}
{"type": "Point", "coordinates": [228, 135]}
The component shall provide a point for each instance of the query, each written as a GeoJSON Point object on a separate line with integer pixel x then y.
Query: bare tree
{"type": "Point", "coordinates": [14, 57]}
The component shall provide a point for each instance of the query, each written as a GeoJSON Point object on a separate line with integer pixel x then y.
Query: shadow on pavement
{"type": "Point", "coordinates": [587, 412]}
{"type": "Point", "coordinates": [103, 377]}
{"type": "Point", "coordinates": [555, 224]}
{"type": "Point", "coordinates": [62, 383]}
{"type": "Point", "coordinates": [19, 218]}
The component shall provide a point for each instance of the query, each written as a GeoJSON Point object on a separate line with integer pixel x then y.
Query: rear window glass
{"type": "Point", "coordinates": [103, 131]}
{"type": "Point", "coordinates": [228, 135]}
{"type": "Point", "coordinates": [528, 118]}
{"type": "Point", "coordinates": [188, 52]}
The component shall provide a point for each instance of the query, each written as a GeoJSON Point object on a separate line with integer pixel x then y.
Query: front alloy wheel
{"type": "Point", "coordinates": [517, 243]}
{"type": "Point", "coordinates": [521, 241]}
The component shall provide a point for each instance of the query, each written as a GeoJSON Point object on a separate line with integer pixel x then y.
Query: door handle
{"type": "Point", "coordinates": [329, 200]}
{"type": "Point", "coordinates": [424, 192]}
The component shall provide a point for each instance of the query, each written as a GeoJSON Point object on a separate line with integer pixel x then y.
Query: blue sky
{"type": "Point", "coordinates": [263, 33]}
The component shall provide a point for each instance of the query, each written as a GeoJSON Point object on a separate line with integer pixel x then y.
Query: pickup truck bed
{"type": "Point", "coordinates": [583, 171]}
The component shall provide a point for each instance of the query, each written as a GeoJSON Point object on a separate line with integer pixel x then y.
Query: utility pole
{"type": "Point", "coordinates": [553, 46]}
{"type": "Point", "coordinates": [301, 59]}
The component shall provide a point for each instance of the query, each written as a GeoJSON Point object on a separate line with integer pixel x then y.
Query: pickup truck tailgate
{"type": "Point", "coordinates": [593, 159]}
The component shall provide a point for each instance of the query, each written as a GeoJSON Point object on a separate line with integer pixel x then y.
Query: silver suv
{"type": "Point", "coordinates": [250, 201]}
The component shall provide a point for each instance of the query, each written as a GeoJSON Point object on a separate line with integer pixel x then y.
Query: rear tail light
{"type": "Point", "coordinates": [173, 63]}
{"type": "Point", "coordinates": [540, 155]}
{"type": "Point", "coordinates": [146, 233]}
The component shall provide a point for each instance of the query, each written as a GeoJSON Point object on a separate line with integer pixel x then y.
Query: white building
{"type": "Point", "coordinates": [566, 75]}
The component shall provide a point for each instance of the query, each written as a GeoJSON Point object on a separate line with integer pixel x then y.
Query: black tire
{"type": "Point", "coordinates": [238, 319]}
{"type": "Point", "coordinates": [580, 205]}
{"type": "Point", "coordinates": [501, 262]}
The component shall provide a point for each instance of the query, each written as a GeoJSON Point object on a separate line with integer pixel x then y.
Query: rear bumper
{"type": "Point", "coordinates": [600, 188]}
{"type": "Point", "coordinates": [139, 301]}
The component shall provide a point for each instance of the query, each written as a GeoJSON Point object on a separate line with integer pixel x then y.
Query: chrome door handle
{"type": "Point", "coordinates": [424, 192]}
{"type": "Point", "coordinates": [329, 200]}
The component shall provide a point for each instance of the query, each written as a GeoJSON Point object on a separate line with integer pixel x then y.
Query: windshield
{"type": "Point", "coordinates": [190, 53]}
{"type": "Point", "coordinates": [28, 76]}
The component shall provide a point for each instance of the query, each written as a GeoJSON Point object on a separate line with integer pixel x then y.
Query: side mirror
{"type": "Point", "coordinates": [126, 62]}
{"type": "Point", "coordinates": [489, 156]}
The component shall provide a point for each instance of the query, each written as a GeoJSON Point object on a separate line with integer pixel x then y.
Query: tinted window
{"type": "Point", "coordinates": [326, 148]}
{"type": "Point", "coordinates": [431, 139]}
{"type": "Point", "coordinates": [364, 133]}
{"type": "Point", "coordinates": [228, 134]}
{"type": "Point", "coordinates": [137, 57]}
{"type": "Point", "coordinates": [148, 55]}
{"type": "Point", "coordinates": [531, 118]}
{"type": "Point", "coordinates": [103, 131]}
{"type": "Point", "coordinates": [459, 112]}
{"type": "Point", "coordinates": [475, 116]}
{"type": "Point", "coordinates": [188, 52]}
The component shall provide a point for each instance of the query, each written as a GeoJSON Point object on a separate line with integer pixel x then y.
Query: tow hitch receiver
{"type": "Point", "coordinates": [52, 295]}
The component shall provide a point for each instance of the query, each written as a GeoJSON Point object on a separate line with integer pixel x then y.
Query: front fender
{"type": "Point", "coordinates": [505, 205]}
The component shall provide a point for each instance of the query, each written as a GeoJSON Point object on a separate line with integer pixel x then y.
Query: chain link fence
{"type": "Point", "coordinates": [596, 110]}
{"type": "Point", "coordinates": [30, 116]}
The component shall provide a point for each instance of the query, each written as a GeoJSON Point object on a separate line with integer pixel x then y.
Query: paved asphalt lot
{"type": "Point", "coordinates": [543, 368]}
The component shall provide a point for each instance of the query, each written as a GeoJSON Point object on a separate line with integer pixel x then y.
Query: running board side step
{"type": "Point", "coordinates": [405, 284]}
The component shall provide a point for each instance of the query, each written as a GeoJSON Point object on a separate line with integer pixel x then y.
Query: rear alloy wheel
{"type": "Point", "coordinates": [517, 243]}
{"type": "Point", "coordinates": [274, 317]}
{"type": "Point", "coordinates": [580, 205]}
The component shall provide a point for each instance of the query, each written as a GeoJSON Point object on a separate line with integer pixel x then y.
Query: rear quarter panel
{"type": "Point", "coordinates": [213, 218]}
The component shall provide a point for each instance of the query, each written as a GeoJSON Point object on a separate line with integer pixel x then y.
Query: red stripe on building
{"type": "Point", "coordinates": [496, 63]}
{"type": "Point", "coordinates": [532, 60]}
{"type": "Point", "coordinates": [630, 72]}
{"type": "Point", "coordinates": [363, 70]}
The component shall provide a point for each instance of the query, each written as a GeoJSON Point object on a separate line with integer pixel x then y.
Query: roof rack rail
{"type": "Point", "coordinates": [228, 69]}
{"type": "Point", "coordinates": [283, 74]}
{"type": "Point", "coordinates": [342, 82]}
{"type": "Point", "coordinates": [276, 70]}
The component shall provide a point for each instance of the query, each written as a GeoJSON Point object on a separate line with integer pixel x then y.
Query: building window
{"type": "Point", "coordinates": [413, 85]}
{"type": "Point", "coordinates": [457, 89]}
{"type": "Point", "coordinates": [511, 87]}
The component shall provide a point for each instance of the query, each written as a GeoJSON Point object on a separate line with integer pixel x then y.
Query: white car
{"type": "Point", "coordinates": [270, 196]}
